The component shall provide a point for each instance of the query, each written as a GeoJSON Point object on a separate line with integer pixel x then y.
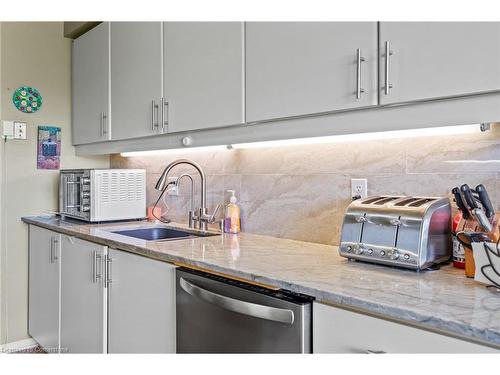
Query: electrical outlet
{"type": "Point", "coordinates": [14, 130]}
{"type": "Point", "coordinates": [19, 130]}
{"type": "Point", "coordinates": [172, 190]}
{"type": "Point", "coordinates": [359, 187]}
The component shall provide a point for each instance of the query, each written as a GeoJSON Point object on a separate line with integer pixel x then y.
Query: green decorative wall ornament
{"type": "Point", "coordinates": [27, 99]}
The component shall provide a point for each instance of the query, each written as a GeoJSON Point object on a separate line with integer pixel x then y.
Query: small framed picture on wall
{"type": "Point", "coordinates": [49, 147]}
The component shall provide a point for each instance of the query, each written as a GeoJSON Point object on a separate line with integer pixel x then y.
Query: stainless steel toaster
{"type": "Point", "coordinates": [403, 231]}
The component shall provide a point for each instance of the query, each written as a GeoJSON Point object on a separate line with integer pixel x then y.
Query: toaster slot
{"type": "Point", "coordinates": [409, 234]}
{"type": "Point", "coordinates": [421, 202]}
{"type": "Point", "coordinates": [406, 202]}
{"type": "Point", "coordinates": [385, 200]}
{"type": "Point", "coordinates": [378, 230]}
{"type": "Point", "coordinates": [371, 200]}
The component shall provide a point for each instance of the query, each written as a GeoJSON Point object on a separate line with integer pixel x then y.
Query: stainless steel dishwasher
{"type": "Point", "coordinates": [218, 315]}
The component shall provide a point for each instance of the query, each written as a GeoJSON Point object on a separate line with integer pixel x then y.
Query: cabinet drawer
{"type": "Point", "coordinates": [337, 330]}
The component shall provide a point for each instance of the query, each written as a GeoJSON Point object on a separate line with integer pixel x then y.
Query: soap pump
{"type": "Point", "coordinates": [232, 223]}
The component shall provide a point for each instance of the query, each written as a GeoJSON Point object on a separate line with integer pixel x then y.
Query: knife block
{"type": "Point", "coordinates": [471, 225]}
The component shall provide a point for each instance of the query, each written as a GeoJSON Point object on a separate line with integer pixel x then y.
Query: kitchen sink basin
{"type": "Point", "coordinates": [161, 234]}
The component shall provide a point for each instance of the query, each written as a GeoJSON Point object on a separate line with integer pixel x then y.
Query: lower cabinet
{"type": "Point", "coordinates": [141, 314]}
{"type": "Point", "coordinates": [86, 298]}
{"type": "Point", "coordinates": [83, 297]}
{"type": "Point", "coordinates": [44, 292]}
{"type": "Point", "coordinates": [336, 330]}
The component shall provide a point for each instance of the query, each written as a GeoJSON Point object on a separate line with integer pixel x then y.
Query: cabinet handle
{"type": "Point", "coordinates": [102, 123]}
{"type": "Point", "coordinates": [359, 60]}
{"type": "Point", "coordinates": [388, 54]}
{"type": "Point", "coordinates": [107, 270]}
{"type": "Point", "coordinates": [164, 114]}
{"type": "Point", "coordinates": [51, 252]}
{"type": "Point", "coordinates": [55, 257]}
{"type": "Point", "coordinates": [154, 115]}
{"type": "Point", "coordinates": [166, 117]}
{"type": "Point", "coordinates": [96, 258]}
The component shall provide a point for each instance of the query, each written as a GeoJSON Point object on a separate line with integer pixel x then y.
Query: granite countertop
{"type": "Point", "coordinates": [441, 300]}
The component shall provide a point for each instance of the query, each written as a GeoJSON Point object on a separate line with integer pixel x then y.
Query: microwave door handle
{"type": "Point", "coordinates": [80, 208]}
{"type": "Point", "coordinates": [246, 308]}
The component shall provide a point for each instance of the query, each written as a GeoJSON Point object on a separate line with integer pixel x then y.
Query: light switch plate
{"type": "Point", "coordinates": [8, 129]}
{"type": "Point", "coordinates": [19, 130]}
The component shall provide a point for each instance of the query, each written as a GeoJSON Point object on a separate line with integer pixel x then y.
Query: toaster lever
{"type": "Point", "coordinates": [361, 219]}
{"type": "Point", "coordinates": [395, 222]}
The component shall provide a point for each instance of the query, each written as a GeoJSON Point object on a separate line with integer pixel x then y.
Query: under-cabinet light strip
{"type": "Point", "coordinates": [394, 134]}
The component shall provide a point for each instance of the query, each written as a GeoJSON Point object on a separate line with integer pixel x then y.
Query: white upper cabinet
{"type": "Point", "coordinates": [136, 79]}
{"type": "Point", "coordinates": [438, 59]}
{"type": "Point", "coordinates": [203, 74]}
{"type": "Point", "coordinates": [300, 68]}
{"type": "Point", "coordinates": [90, 81]}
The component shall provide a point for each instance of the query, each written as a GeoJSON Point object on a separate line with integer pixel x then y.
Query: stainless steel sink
{"type": "Point", "coordinates": [161, 234]}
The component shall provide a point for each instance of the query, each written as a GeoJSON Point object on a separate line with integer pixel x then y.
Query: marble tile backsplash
{"type": "Point", "coordinates": [301, 192]}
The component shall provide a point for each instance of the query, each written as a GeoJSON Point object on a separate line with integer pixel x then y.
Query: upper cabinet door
{"type": "Point", "coordinates": [91, 86]}
{"type": "Point", "coordinates": [203, 75]}
{"type": "Point", "coordinates": [300, 68]}
{"type": "Point", "coordinates": [438, 59]}
{"type": "Point", "coordinates": [136, 78]}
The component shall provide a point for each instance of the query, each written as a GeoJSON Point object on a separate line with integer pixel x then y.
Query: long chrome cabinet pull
{"type": "Point", "coordinates": [166, 118]}
{"type": "Point", "coordinates": [164, 114]}
{"type": "Point", "coordinates": [247, 308]}
{"type": "Point", "coordinates": [154, 115]}
{"type": "Point", "coordinates": [51, 252]}
{"type": "Point", "coordinates": [359, 60]}
{"type": "Point", "coordinates": [101, 132]}
{"type": "Point", "coordinates": [107, 270]}
{"type": "Point", "coordinates": [96, 257]}
{"type": "Point", "coordinates": [102, 123]}
{"type": "Point", "coordinates": [388, 54]}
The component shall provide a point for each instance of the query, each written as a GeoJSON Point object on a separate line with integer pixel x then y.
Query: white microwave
{"type": "Point", "coordinates": [96, 195]}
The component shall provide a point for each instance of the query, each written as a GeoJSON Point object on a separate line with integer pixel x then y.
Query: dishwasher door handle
{"type": "Point", "coordinates": [246, 308]}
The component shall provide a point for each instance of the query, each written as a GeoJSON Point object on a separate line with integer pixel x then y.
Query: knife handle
{"type": "Point", "coordinates": [485, 200]}
{"type": "Point", "coordinates": [460, 203]}
{"type": "Point", "coordinates": [469, 198]}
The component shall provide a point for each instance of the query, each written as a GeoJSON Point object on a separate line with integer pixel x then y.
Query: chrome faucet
{"type": "Point", "coordinates": [202, 219]}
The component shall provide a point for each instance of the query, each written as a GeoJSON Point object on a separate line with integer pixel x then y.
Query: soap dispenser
{"type": "Point", "coordinates": [232, 222]}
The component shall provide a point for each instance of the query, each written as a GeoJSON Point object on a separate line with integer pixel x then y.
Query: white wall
{"type": "Point", "coordinates": [34, 54]}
